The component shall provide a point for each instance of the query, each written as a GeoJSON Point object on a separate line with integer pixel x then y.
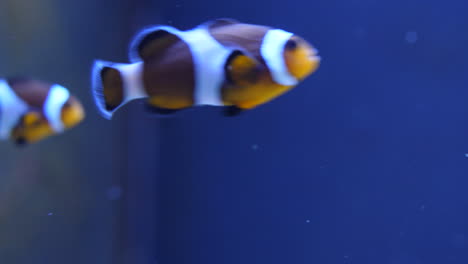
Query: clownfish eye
{"type": "Point", "coordinates": [291, 44]}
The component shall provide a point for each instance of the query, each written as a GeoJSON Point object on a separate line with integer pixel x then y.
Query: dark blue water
{"type": "Point", "coordinates": [364, 162]}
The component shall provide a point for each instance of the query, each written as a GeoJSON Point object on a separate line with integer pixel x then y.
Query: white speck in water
{"type": "Point", "coordinates": [411, 37]}
{"type": "Point", "coordinates": [360, 32]}
{"type": "Point", "coordinates": [324, 164]}
{"type": "Point", "coordinates": [50, 214]}
{"type": "Point", "coordinates": [254, 147]}
{"type": "Point", "coordinates": [422, 207]}
{"type": "Point", "coordinates": [466, 155]}
{"type": "Point", "coordinates": [458, 240]}
{"type": "Point", "coordinates": [114, 193]}
{"type": "Point", "coordinates": [308, 221]}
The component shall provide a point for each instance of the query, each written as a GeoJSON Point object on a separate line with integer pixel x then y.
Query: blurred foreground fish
{"type": "Point", "coordinates": [221, 63]}
{"type": "Point", "coordinates": [31, 110]}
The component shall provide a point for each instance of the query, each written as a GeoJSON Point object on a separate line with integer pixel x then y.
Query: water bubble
{"type": "Point", "coordinates": [458, 240]}
{"type": "Point", "coordinates": [114, 193]}
{"type": "Point", "coordinates": [360, 32]}
{"type": "Point", "coordinates": [422, 207]}
{"type": "Point", "coordinates": [411, 37]}
{"type": "Point", "coordinates": [254, 147]}
{"type": "Point", "coordinates": [50, 214]}
{"type": "Point", "coordinates": [308, 221]}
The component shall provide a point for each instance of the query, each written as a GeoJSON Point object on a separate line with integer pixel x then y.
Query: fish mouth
{"type": "Point", "coordinates": [314, 58]}
{"type": "Point", "coordinates": [313, 55]}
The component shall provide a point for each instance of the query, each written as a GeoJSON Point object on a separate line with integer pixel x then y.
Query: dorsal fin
{"type": "Point", "coordinates": [12, 81]}
{"type": "Point", "coordinates": [152, 41]}
{"type": "Point", "coordinates": [220, 22]}
{"type": "Point", "coordinates": [32, 92]}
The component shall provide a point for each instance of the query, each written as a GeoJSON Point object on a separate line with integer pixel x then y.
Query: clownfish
{"type": "Point", "coordinates": [220, 63]}
{"type": "Point", "coordinates": [31, 110]}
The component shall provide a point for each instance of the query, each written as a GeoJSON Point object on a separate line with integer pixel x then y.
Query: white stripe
{"type": "Point", "coordinates": [12, 108]}
{"type": "Point", "coordinates": [132, 78]}
{"type": "Point", "coordinates": [209, 57]}
{"type": "Point", "coordinates": [132, 81]}
{"type": "Point", "coordinates": [57, 97]}
{"type": "Point", "coordinates": [272, 51]}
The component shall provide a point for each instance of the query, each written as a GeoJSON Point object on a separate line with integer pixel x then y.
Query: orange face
{"type": "Point", "coordinates": [300, 57]}
{"type": "Point", "coordinates": [72, 113]}
{"type": "Point", "coordinates": [252, 84]}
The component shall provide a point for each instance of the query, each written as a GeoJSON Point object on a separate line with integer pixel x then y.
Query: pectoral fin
{"type": "Point", "coordinates": [241, 69]}
{"type": "Point", "coordinates": [31, 118]}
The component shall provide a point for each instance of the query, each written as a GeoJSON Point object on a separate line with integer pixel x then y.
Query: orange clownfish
{"type": "Point", "coordinates": [220, 63]}
{"type": "Point", "coordinates": [31, 110]}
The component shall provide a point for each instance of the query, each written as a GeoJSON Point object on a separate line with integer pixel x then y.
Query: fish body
{"type": "Point", "coordinates": [31, 110]}
{"type": "Point", "coordinates": [220, 63]}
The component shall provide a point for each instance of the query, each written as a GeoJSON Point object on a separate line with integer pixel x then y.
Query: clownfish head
{"type": "Point", "coordinates": [289, 57]}
{"type": "Point", "coordinates": [300, 57]}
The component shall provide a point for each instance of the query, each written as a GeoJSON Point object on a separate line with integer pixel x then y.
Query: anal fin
{"type": "Point", "coordinates": [160, 111]}
{"type": "Point", "coordinates": [20, 142]}
{"type": "Point", "coordinates": [231, 111]}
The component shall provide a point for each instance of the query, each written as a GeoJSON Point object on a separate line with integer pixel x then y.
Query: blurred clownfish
{"type": "Point", "coordinates": [31, 110]}
{"type": "Point", "coordinates": [220, 63]}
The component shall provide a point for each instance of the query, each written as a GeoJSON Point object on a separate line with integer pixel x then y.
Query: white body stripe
{"type": "Point", "coordinates": [272, 51]}
{"type": "Point", "coordinates": [208, 56]}
{"type": "Point", "coordinates": [132, 78]}
{"type": "Point", "coordinates": [11, 109]}
{"type": "Point", "coordinates": [57, 97]}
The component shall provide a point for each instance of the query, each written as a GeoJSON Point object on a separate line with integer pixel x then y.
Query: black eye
{"type": "Point", "coordinates": [291, 44]}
